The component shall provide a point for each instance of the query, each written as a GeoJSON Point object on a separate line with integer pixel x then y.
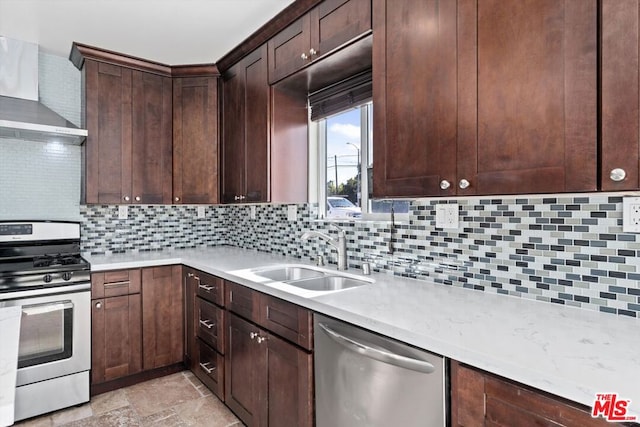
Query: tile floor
{"type": "Point", "coordinates": [173, 401]}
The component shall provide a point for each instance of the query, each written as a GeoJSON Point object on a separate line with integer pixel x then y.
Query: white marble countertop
{"type": "Point", "coordinates": [565, 351]}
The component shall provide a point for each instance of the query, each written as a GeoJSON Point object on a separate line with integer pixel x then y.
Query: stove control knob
{"type": "Point", "coordinates": [47, 278]}
{"type": "Point", "coordinates": [66, 276]}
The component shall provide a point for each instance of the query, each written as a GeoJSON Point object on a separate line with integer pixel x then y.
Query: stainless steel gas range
{"type": "Point", "coordinates": [42, 271]}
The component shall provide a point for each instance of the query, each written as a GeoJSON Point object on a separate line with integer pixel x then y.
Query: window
{"type": "Point", "coordinates": [343, 116]}
{"type": "Point", "coordinates": [345, 148]}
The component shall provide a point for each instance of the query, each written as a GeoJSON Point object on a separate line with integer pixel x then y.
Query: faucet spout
{"type": "Point", "coordinates": [340, 243]}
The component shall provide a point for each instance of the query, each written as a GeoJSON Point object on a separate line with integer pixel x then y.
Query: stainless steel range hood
{"type": "Point", "coordinates": [21, 115]}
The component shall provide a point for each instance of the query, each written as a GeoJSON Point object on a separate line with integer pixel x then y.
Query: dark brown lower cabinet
{"type": "Point", "coordinates": [482, 399]}
{"type": "Point", "coordinates": [162, 316]}
{"type": "Point", "coordinates": [116, 337]}
{"type": "Point", "coordinates": [268, 381]}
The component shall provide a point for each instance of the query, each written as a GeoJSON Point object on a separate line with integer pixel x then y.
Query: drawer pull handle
{"type": "Point", "coordinates": [207, 323]}
{"type": "Point", "coordinates": [206, 287]}
{"type": "Point", "coordinates": [116, 284]}
{"type": "Point", "coordinates": [206, 368]}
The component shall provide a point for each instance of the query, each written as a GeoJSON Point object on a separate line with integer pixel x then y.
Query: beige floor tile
{"type": "Point", "coordinates": [109, 401]}
{"type": "Point", "coordinates": [44, 421]}
{"type": "Point", "coordinates": [206, 412]}
{"type": "Point", "coordinates": [166, 418]}
{"type": "Point", "coordinates": [120, 417]}
{"type": "Point", "coordinates": [69, 415]}
{"type": "Point", "coordinates": [157, 395]}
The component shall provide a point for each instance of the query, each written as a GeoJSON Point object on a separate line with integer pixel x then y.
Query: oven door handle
{"type": "Point", "coordinates": [49, 307]}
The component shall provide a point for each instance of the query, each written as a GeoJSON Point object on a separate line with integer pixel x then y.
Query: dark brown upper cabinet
{"type": "Point", "coordinates": [484, 97]}
{"type": "Point", "coordinates": [326, 27]}
{"type": "Point", "coordinates": [195, 140]}
{"type": "Point", "coordinates": [127, 157]}
{"type": "Point", "coordinates": [153, 130]}
{"type": "Point", "coordinates": [619, 97]}
{"type": "Point", "coordinates": [245, 130]}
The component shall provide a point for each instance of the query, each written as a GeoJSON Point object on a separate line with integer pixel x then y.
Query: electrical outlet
{"type": "Point", "coordinates": [631, 214]}
{"type": "Point", "coordinates": [447, 216]}
{"type": "Point", "coordinates": [201, 212]}
{"type": "Point", "coordinates": [123, 211]}
{"type": "Point", "coordinates": [292, 213]}
{"type": "Point", "coordinates": [252, 212]}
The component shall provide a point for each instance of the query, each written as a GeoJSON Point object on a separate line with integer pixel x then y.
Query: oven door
{"type": "Point", "coordinates": [55, 333]}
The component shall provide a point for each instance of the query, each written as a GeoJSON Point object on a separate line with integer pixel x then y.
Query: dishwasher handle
{"type": "Point", "coordinates": [380, 355]}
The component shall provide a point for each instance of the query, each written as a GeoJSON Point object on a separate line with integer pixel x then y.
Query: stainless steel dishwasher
{"type": "Point", "coordinates": [364, 379]}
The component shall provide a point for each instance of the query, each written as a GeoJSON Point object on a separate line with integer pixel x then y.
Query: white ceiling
{"type": "Point", "coordinates": [171, 32]}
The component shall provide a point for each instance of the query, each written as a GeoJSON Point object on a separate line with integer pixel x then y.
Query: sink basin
{"type": "Point", "coordinates": [288, 273]}
{"type": "Point", "coordinates": [329, 283]}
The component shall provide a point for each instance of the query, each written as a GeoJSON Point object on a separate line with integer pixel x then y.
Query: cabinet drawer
{"type": "Point", "coordinates": [288, 320]}
{"type": "Point", "coordinates": [210, 324]}
{"type": "Point", "coordinates": [210, 368]}
{"type": "Point", "coordinates": [242, 301]}
{"type": "Point", "coordinates": [209, 287]}
{"type": "Point", "coordinates": [115, 283]}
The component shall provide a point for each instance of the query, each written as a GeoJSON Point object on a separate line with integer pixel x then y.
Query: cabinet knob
{"type": "Point", "coordinates": [98, 304]}
{"type": "Point", "coordinates": [444, 184]}
{"type": "Point", "coordinates": [617, 174]}
{"type": "Point", "coordinates": [312, 52]}
{"type": "Point", "coordinates": [189, 274]}
{"type": "Point", "coordinates": [243, 197]}
{"type": "Point", "coordinates": [304, 56]}
{"type": "Point", "coordinates": [126, 198]}
{"type": "Point", "coordinates": [138, 198]}
{"type": "Point", "coordinates": [176, 199]}
{"type": "Point", "coordinates": [253, 335]}
{"type": "Point", "coordinates": [464, 184]}
{"type": "Point", "coordinates": [261, 340]}
{"type": "Point", "coordinates": [236, 198]}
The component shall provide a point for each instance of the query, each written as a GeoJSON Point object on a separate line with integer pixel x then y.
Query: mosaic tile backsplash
{"type": "Point", "coordinates": [566, 250]}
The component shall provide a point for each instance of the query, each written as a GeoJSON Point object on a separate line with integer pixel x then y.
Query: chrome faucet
{"type": "Point", "coordinates": [340, 243]}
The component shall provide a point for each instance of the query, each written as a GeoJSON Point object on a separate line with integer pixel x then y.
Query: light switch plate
{"type": "Point", "coordinates": [447, 216]}
{"type": "Point", "coordinates": [631, 214]}
{"type": "Point", "coordinates": [292, 213]}
{"type": "Point", "coordinates": [123, 211]}
{"type": "Point", "coordinates": [201, 212]}
{"type": "Point", "coordinates": [252, 212]}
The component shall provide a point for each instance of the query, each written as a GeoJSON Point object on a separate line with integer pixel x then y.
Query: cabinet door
{"type": "Point", "coordinates": [290, 384]}
{"type": "Point", "coordinates": [195, 140]}
{"type": "Point", "coordinates": [336, 22]}
{"type": "Point", "coordinates": [162, 316]}
{"type": "Point", "coordinates": [152, 138]}
{"type": "Point", "coordinates": [233, 120]}
{"type": "Point", "coordinates": [415, 97]}
{"type": "Point", "coordinates": [620, 99]}
{"type": "Point", "coordinates": [536, 96]}
{"type": "Point", "coordinates": [245, 372]}
{"type": "Point", "coordinates": [116, 338]}
{"type": "Point", "coordinates": [256, 102]}
{"type": "Point", "coordinates": [108, 160]}
{"type": "Point", "coordinates": [288, 320]}
{"type": "Point", "coordinates": [479, 399]}
{"type": "Point", "coordinates": [246, 130]}
{"type": "Point", "coordinates": [289, 49]}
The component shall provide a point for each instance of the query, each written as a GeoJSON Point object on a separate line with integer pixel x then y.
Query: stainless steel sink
{"type": "Point", "coordinates": [329, 283]}
{"type": "Point", "coordinates": [288, 273]}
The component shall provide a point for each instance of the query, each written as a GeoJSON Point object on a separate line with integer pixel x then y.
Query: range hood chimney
{"type": "Point", "coordinates": [21, 115]}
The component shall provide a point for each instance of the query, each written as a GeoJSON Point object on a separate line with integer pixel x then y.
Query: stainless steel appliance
{"type": "Point", "coordinates": [42, 272]}
{"type": "Point", "coordinates": [364, 379]}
